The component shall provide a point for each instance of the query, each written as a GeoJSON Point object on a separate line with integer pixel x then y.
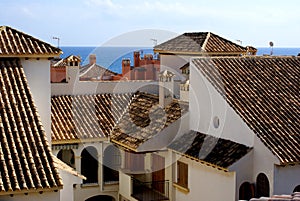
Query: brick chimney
{"type": "Point", "coordinates": [92, 59]}
{"type": "Point", "coordinates": [136, 58]}
{"type": "Point", "coordinates": [126, 69]}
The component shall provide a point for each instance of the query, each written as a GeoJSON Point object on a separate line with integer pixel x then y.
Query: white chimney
{"type": "Point", "coordinates": [166, 88]}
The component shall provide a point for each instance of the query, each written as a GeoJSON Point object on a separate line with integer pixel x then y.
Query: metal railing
{"type": "Point", "coordinates": [150, 191]}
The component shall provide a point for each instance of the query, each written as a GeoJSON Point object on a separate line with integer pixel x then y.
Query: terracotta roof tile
{"type": "Point", "coordinates": [216, 151]}
{"type": "Point", "coordinates": [94, 71]}
{"type": "Point", "coordinates": [123, 117]}
{"type": "Point", "coordinates": [264, 91]}
{"type": "Point", "coordinates": [26, 162]}
{"type": "Point", "coordinates": [144, 119]}
{"type": "Point", "coordinates": [16, 43]}
{"type": "Point", "coordinates": [79, 117]}
{"type": "Point", "coordinates": [200, 42]}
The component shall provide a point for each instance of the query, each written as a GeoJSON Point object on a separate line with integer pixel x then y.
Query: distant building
{"type": "Point", "coordinates": [146, 68]}
{"type": "Point", "coordinates": [95, 72]}
{"type": "Point", "coordinates": [59, 68]}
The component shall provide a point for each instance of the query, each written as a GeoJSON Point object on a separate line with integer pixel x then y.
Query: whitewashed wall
{"type": "Point", "coordinates": [38, 76]}
{"type": "Point", "coordinates": [207, 183]}
{"type": "Point", "coordinates": [206, 103]}
{"type": "Point", "coordinates": [67, 193]}
{"type": "Point", "coordinates": [76, 87]}
{"type": "Point", "coordinates": [286, 179]}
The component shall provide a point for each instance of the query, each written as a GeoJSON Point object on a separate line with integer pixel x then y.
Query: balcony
{"type": "Point", "coordinates": [150, 191]}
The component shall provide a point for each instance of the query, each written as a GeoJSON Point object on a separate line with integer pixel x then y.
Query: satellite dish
{"type": "Point", "coordinates": [271, 45]}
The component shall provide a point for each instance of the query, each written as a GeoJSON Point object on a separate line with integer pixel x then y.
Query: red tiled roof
{"type": "Point", "coordinates": [200, 43]}
{"type": "Point", "coordinates": [264, 91]}
{"type": "Point", "coordinates": [84, 117]}
{"type": "Point", "coordinates": [79, 117]}
{"type": "Point", "coordinates": [94, 71]}
{"type": "Point", "coordinates": [26, 161]}
{"type": "Point", "coordinates": [212, 150]}
{"type": "Point", "coordinates": [15, 43]}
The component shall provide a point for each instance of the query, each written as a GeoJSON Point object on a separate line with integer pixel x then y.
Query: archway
{"type": "Point", "coordinates": [296, 189]}
{"type": "Point", "coordinates": [111, 164]}
{"type": "Point", "coordinates": [262, 186]}
{"type": "Point", "coordinates": [101, 198]}
{"type": "Point", "coordinates": [67, 156]}
{"type": "Point", "coordinates": [89, 165]}
{"type": "Point", "coordinates": [246, 191]}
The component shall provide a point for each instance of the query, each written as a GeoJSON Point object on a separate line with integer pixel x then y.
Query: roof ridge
{"type": "Point", "coordinates": [206, 41]}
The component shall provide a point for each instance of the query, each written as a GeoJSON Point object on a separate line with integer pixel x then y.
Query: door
{"type": "Point", "coordinates": [158, 173]}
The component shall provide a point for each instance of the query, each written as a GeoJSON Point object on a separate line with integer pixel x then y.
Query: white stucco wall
{"type": "Point", "coordinates": [206, 103]}
{"type": "Point", "coordinates": [45, 196]}
{"type": "Point", "coordinates": [286, 178]}
{"type": "Point", "coordinates": [76, 87]}
{"type": "Point", "coordinates": [125, 186]}
{"type": "Point", "coordinates": [207, 183]}
{"type": "Point", "coordinates": [174, 63]}
{"type": "Point", "coordinates": [38, 76]}
{"type": "Point", "coordinates": [67, 193]}
{"type": "Point", "coordinates": [263, 162]}
{"type": "Point", "coordinates": [184, 95]}
{"type": "Point", "coordinates": [243, 169]}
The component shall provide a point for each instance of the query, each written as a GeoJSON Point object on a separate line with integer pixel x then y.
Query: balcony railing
{"type": "Point", "coordinates": [150, 191]}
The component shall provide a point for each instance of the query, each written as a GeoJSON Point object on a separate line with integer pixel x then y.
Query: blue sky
{"type": "Point", "coordinates": [94, 22]}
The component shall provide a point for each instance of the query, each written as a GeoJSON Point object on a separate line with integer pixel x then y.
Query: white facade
{"type": "Point", "coordinates": [76, 87]}
{"type": "Point", "coordinates": [206, 183]}
{"type": "Point", "coordinates": [38, 77]}
{"type": "Point", "coordinates": [207, 105]}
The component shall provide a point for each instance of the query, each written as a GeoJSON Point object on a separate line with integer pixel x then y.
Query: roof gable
{"type": "Point", "coordinates": [200, 43]}
{"type": "Point", "coordinates": [264, 91]}
{"type": "Point", "coordinates": [26, 161]}
{"type": "Point", "coordinates": [15, 43]}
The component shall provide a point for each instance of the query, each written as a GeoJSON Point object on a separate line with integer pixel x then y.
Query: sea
{"type": "Point", "coordinates": [111, 57]}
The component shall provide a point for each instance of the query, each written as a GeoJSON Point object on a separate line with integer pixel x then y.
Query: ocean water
{"type": "Point", "coordinates": [111, 57]}
{"type": "Point", "coordinates": [108, 57]}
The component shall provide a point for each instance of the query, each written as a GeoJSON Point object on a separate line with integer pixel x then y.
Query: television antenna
{"type": "Point", "coordinates": [56, 38]}
{"type": "Point", "coordinates": [271, 46]}
{"type": "Point", "coordinates": [154, 41]}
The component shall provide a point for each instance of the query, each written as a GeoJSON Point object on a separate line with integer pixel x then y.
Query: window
{"type": "Point", "coordinates": [182, 174]}
{"type": "Point", "coordinates": [216, 122]}
{"type": "Point", "coordinates": [134, 162]}
{"type": "Point", "coordinates": [262, 186]}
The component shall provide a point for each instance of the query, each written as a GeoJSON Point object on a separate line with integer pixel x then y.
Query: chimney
{"type": "Point", "coordinates": [136, 58]}
{"type": "Point", "coordinates": [126, 69]}
{"type": "Point", "coordinates": [92, 59]}
{"type": "Point", "coordinates": [166, 88]}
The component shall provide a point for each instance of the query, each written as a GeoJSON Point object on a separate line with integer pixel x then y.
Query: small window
{"type": "Point", "coordinates": [182, 174]}
{"type": "Point", "coordinates": [134, 161]}
{"type": "Point", "coordinates": [216, 122]}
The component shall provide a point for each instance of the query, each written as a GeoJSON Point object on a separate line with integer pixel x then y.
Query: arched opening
{"type": "Point", "coordinates": [89, 165]}
{"type": "Point", "coordinates": [111, 164]}
{"type": "Point", "coordinates": [297, 189]}
{"type": "Point", "coordinates": [101, 198]}
{"type": "Point", "coordinates": [67, 156]}
{"type": "Point", "coordinates": [262, 186]}
{"type": "Point", "coordinates": [246, 191]}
